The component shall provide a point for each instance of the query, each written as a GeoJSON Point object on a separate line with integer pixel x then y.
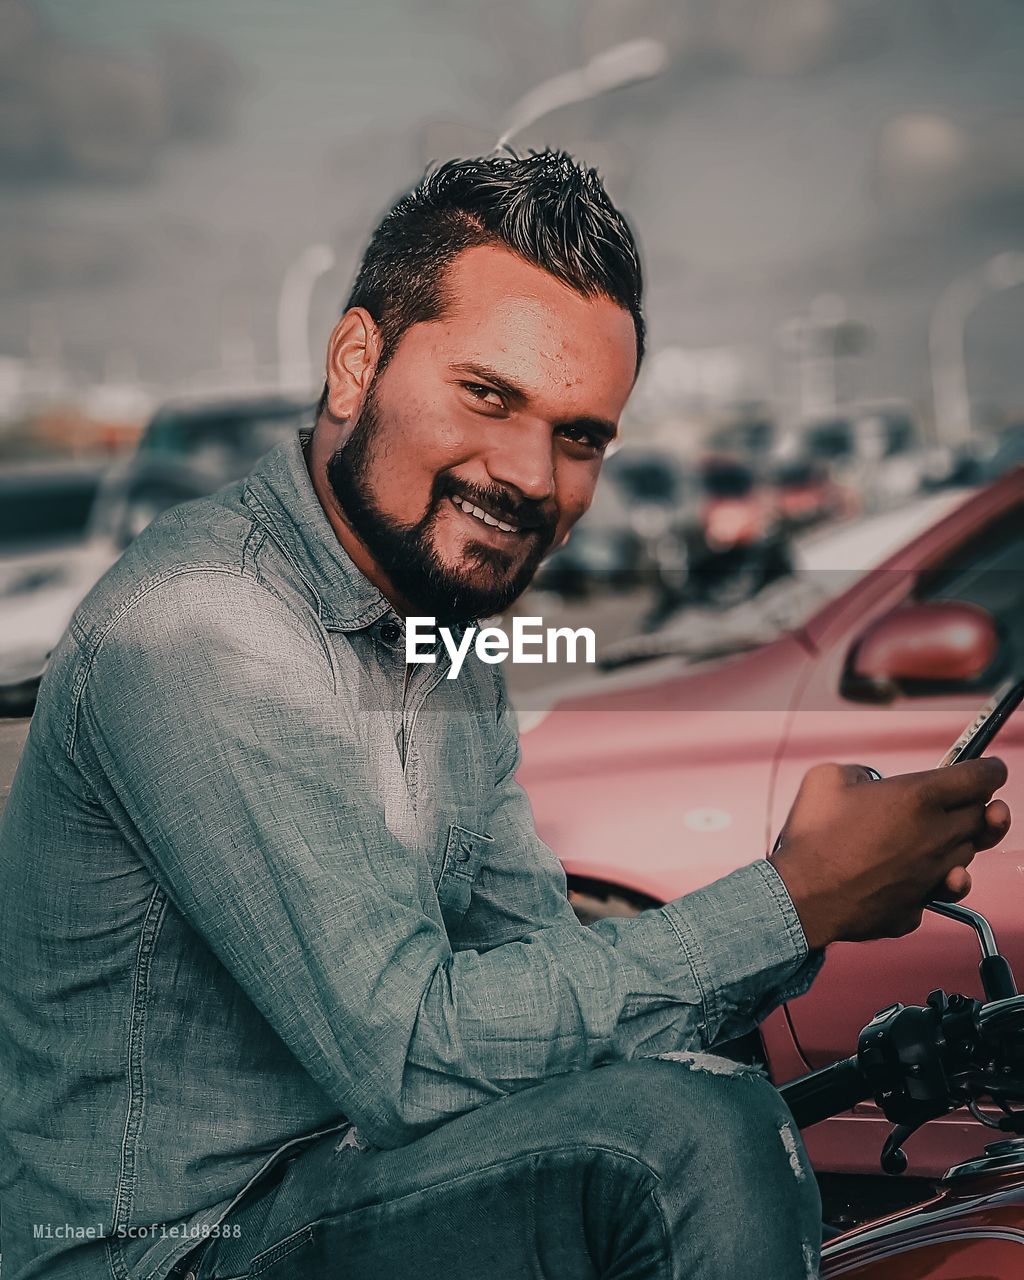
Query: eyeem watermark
{"type": "Point", "coordinates": [530, 641]}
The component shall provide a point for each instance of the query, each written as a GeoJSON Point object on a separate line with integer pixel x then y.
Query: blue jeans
{"type": "Point", "coordinates": [654, 1169]}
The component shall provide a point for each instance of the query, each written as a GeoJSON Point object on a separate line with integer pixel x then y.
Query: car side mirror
{"type": "Point", "coordinates": [944, 646]}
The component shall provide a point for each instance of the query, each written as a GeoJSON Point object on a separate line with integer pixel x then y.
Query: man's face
{"type": "Point", "coordinates": [479, 445]}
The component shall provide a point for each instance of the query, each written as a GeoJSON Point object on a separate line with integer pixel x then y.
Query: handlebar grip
{"type": "Point", "coordinates": [997, 978]}
{"type": "Point", "coordinates": [826, 1092]}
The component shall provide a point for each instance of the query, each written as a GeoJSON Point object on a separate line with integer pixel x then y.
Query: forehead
{"type": "Point", "coordinates": [521, 321]}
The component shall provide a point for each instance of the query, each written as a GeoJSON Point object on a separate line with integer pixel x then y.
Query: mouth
{"type": "Point", "coordinates": [482, 515]}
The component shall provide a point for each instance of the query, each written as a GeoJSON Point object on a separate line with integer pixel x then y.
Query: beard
{"type": "Point", "coordinates": [485, 582]}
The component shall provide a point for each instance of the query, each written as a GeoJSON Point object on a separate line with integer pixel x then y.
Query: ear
{"type": "Point", "coordinates": [353, 353]}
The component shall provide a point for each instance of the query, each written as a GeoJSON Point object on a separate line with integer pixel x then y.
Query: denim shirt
{"type": "Point", "coordinates": [256, 885]}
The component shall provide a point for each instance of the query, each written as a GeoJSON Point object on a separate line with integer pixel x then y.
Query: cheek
{"type": "Point", "coordinates": [574, 488]}
{"type": "Point", "coordinates": [432, 432]}
{"type": "Point", "coordinates": [398, 482]}
{"type": "Point", "coordinates": [409, 456]}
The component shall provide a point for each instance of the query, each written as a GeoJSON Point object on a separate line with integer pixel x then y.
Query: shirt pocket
{"type": "Point", "coordinates": [463, 854]}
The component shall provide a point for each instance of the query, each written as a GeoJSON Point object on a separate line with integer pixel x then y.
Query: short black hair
{"type": "Point", "coordinates": [545, 206]}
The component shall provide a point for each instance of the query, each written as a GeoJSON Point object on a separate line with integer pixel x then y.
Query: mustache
{"type": "Point", "coordinates": [525, 513]}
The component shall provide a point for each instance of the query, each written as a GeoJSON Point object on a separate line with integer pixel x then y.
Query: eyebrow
{"type": "Point", "coordinates": [602, 427]}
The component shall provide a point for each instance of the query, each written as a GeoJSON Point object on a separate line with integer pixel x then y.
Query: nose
{"type": "Point", "coordinates": [525, 460]}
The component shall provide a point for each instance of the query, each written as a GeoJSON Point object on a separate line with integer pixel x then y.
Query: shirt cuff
{"type": "Point", "coordinates": [745, 943]}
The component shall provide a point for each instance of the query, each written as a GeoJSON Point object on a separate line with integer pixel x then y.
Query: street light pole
{"type": "Point", "coordinates": [621, 65]}
{"type": "Point", "coordinates": [294, 363]}
{"type": "Point", "coordinates": [951, 402]}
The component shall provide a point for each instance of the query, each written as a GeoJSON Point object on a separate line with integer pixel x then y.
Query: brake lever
{"type": "Point", "coordinates": [894, 1158]}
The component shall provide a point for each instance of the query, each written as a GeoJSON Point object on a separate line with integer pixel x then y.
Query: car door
{"type": "Point", "coordinates": [984, 568]}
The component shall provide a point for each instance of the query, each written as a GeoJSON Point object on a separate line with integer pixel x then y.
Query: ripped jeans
{"type": "Point", "coordinates": [686, 1166]}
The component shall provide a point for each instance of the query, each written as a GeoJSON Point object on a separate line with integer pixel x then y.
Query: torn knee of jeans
{"type": "Point", "coordinates": [352, 1139]}
{"type": "Point", "coordinates": [711, 1063]}
{"type": "Point", "coordinates": [789, 1142]}
{"type": "Point", "coordinates": [810, 1261]}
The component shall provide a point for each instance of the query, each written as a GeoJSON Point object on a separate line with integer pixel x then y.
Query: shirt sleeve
{"type": "Point", "coordinates": [211, 718]}
{"type": "Point", "coordinates": [740, 936]}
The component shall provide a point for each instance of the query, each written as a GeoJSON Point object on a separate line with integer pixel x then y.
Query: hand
{"type": "Point", "coordinates": [860, 858]}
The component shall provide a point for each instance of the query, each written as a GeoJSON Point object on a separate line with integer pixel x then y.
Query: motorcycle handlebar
{"type": "Point", "coordinates": [826, 1092]}
{"type": "Point", "coordinates": [953, 1031]}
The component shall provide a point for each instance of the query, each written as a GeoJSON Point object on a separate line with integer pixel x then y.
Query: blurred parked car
{"type": "Point", "coordinates": [222, 438]}
{"type": "Point", "coordinates": [979, 461]}
{"type": "Point", "coordinates": [670, 776]}
{"type": "Point", "coordinates": [191, 448]}
{"type": "Point", "coordinates": [873, 446]}
{"type": "Point", "coordinates": [86, 519]}
{"type": "Point", "coordinates": [45, 552]}
{"type": "Point", "coordinates": [651, 482]}
{"type": "Point", "coordinates": [751, 434]}
{"type": "Point", "coordinates": [612, 547]}
{"type": "Point", "coordinates": [806, 493]}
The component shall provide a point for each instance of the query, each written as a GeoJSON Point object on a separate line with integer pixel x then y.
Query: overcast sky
{"type": "Point", "coordinates": [156, 188]}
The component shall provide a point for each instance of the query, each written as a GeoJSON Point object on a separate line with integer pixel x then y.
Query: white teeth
{"type": "Point", "coordinates": [480, 514]}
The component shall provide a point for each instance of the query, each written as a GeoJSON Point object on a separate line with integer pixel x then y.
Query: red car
{"type": "Point", "coordinates": [660, 782]}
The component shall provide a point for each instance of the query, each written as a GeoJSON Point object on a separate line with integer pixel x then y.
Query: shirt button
{"type": "Point", "coordinates": [390, 632]}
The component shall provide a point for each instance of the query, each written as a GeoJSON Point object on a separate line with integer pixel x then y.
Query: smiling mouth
{"type": "Point", "coordinates": [485, 517]}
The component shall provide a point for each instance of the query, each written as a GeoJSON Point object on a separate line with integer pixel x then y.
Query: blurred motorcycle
{"type": "Point", "coordinates": [724, 546]}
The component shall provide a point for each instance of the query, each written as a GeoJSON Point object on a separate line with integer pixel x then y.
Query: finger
{"type": "Point", "coordinates": [957, 885]}
{"type": "Point", "coordinates": [965, 824]}
{"type": "Point", "coordinates": [995, 826]}
{"type": "Point", "coordinates": [979, 825]}
{"type": "Point", "coordinates": [970, 782]}
{"type": "Point", "coordinates": [959, 855]}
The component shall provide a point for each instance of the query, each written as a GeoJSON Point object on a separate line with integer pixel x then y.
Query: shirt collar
{"type": "Point", "coordinates": [280, 491]}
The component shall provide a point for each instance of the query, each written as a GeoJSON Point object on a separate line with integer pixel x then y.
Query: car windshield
{"type": "Point", "coordinates": [744, 437]}
{"type": "Point", "coordinates": [228, 441]}
{"type": "Point", "coordinates": [726, 480]}
{"type": "Point", "coordinates": [645, 478]}
{"type": "Point", "coordinates": [794, 475]}
{"type": "Point", "coordinates": [42, 510]}
{"type": "Point", "coordinates": [831, 440]}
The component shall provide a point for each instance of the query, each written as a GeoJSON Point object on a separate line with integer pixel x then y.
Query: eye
{"type": "Point", "coordinates": [486, 396]}
{"type": "Point", "coordinates": [585, 440]}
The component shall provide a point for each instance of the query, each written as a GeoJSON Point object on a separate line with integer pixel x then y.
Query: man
{"type": "Point", "coordinates": [290, 987]}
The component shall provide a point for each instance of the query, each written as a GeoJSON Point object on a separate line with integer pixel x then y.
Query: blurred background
{"type": "Point", "coordinates": [828, 195]}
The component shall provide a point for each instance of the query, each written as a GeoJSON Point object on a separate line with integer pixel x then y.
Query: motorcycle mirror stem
{"type": "Point", "coordinates": [996, 975]}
